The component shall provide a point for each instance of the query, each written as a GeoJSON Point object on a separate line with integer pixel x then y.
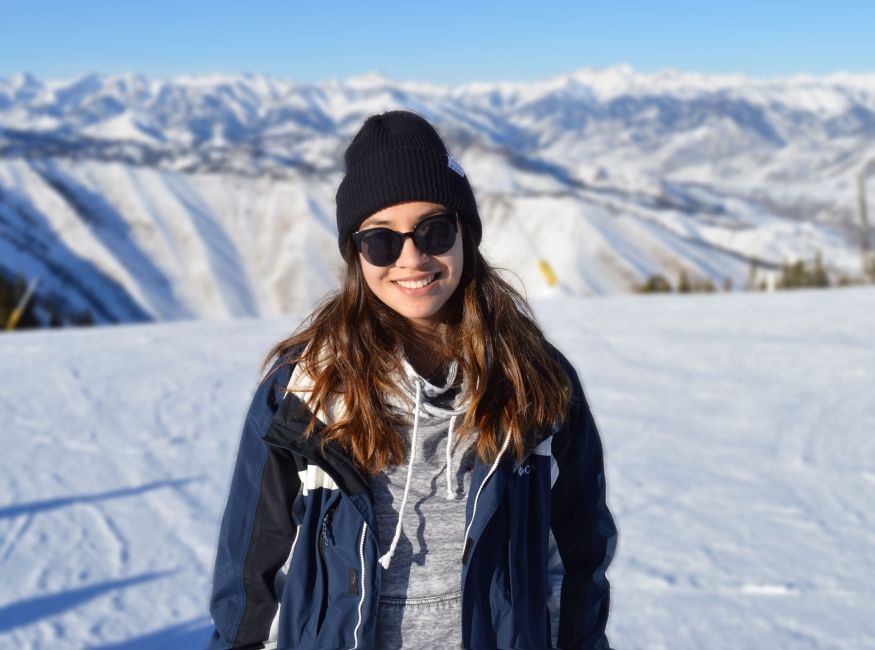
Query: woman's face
{"type": "Point", "coordinates": [400, 285]}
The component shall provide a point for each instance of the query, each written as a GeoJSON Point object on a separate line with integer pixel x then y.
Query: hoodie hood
{"type": "Point", "coordinates": [430, 405]}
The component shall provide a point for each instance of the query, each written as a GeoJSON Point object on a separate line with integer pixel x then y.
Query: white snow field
{"type": "Point", "coordinates": [738, 432]}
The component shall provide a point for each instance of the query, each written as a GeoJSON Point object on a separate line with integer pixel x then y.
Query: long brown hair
{"type": "Point", "coordinates": [350, 347]}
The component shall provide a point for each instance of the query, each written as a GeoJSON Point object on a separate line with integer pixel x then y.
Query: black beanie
{"type": "Point", "coordinates": [398, 157]}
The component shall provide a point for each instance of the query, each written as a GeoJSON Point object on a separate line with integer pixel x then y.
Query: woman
{"type": "Point", "coordinates": [419, 467]}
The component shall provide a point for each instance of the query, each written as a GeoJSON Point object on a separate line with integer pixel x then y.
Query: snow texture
{"type": "Point", "coordinates": [739, 455]}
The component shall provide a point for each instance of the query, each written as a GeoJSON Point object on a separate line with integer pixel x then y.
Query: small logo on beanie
{"type": "Point", "coordinates": [455, 165]}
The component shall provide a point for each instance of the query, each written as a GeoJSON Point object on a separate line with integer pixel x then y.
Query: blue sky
{"type": "Point", "coordinates": [443, 42]}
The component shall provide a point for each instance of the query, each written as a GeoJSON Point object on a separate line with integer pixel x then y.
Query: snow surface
{"type": "Point", "coordinates": [738, 444]}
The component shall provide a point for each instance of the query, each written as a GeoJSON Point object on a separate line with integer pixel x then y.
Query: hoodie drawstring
{"type": "Point", "coordinates": [451, 494]}
{"type": "Point", "coordinates": [387, 558]}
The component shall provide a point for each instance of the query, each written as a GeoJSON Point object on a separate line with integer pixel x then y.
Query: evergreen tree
{"type": "Point", "coordinates": [684, 282]}
{"type": "Point", "coordinates": [819, 277]}
{"type": "Point", "coordinates": [799, 274]}
{"type": "Point", "coordinates": [656, 283]}
{"type": "Point", "coordinates": [7, 302]}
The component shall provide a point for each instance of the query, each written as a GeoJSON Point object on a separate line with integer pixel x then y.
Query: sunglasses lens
{"type": "Point", "coordinates": [380, 246]}
{"type": "Point", "coordinates": [437, 234]}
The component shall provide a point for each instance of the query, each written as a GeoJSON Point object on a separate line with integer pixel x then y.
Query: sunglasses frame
{"type": "Point", "coordinates": [359, 235]}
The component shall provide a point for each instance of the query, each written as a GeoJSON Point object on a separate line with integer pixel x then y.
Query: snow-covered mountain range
{"type": "Point", "coordinates": [138, 198]}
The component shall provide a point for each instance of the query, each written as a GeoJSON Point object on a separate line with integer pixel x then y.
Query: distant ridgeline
{"type": "Point", "coordinates": [129, 199]}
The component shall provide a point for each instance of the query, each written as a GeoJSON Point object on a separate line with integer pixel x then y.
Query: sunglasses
{"type": "Point", "coordinates": [434, 235]}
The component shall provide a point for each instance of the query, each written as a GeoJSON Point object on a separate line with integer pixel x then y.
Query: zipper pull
{"type": "Point", "coordinates": [327, 532]}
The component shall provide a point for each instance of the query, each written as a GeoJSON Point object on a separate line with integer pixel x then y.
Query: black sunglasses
{"type": "Point", "coordinates": [434, 235]}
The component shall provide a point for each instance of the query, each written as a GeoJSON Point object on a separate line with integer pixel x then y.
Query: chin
{"type": "Point", "coordinates": [430, 314]}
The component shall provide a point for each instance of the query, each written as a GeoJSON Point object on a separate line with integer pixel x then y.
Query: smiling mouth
{"type": "Point", "coordinates": [417, 284]}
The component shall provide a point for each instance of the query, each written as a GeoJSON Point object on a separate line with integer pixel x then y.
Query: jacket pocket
{"type": "Point", "coordinates": [339, 577]}
{"type": "Point", "coordinates": [326, 539]}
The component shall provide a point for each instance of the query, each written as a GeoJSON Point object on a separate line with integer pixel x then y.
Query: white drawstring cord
{"type": "Point", "coordinates": [387, 558]}
{"type": "Point", "coordinates": [451, 493]}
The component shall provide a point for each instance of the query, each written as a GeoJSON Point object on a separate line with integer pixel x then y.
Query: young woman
{"type": "Point", "coordinates": [419, 468]}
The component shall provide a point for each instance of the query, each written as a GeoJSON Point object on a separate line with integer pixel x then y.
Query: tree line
{"type": "Point", "coordinates": [38, 312]}
{"type": "Point", "coordinates": [798, 274]}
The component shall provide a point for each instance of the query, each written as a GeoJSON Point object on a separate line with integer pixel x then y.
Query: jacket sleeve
{"type": "Point", "coordinates": [584, 536]}
{"type": "Point", "coordinates": [257, 529]}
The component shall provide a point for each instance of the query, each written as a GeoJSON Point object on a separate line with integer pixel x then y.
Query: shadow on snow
{"type": "Point", "coordinates": [51, 504]}
{"type": "Point", "coordinates": [190, 635]}
{"type": "Point", "coordinates": [28, 611]}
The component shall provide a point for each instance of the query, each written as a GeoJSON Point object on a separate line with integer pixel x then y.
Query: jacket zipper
{"type": "Point", "coordinates": [492, 469]}
{"type": "Point", "coordinates": [355, 632]}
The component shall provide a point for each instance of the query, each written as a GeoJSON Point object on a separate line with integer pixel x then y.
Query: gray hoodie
{"type": "Point", "coordinates": [420, 597]}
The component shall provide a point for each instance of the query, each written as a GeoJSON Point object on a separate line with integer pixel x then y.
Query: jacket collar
{"type": "Point", "coordinates": [287, 430]}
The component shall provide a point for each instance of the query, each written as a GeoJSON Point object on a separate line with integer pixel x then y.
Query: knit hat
{"type": "Point", "coordinates": [398, 157]}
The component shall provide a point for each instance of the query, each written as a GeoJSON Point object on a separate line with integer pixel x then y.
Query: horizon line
{"type": "Point", "coordinates": [378, 74]}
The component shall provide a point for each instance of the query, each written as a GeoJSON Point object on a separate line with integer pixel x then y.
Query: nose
{"type": "Point", "coordinates": [411, 256]}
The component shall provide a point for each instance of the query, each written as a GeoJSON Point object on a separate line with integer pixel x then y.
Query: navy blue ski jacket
{"type": "Point", "coordinates": [296, 566]}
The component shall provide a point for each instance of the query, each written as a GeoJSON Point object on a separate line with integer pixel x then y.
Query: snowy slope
{"type": "Point", "coordinates": [737, 432]}
{"type": "Point", "coordinates": [142, 199]}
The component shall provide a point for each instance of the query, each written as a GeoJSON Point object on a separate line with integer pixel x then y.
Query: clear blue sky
{"type": "Point", "coordinates": [444, 42]}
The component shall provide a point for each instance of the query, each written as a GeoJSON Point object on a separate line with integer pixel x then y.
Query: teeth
{"type": "Point", "coordinates": [416, 284]}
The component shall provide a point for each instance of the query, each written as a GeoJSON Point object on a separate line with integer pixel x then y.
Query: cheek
{"type": "Point", "coordinates": [373, 275]}
{"type": "Point", "coordinates": [455, 262]}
